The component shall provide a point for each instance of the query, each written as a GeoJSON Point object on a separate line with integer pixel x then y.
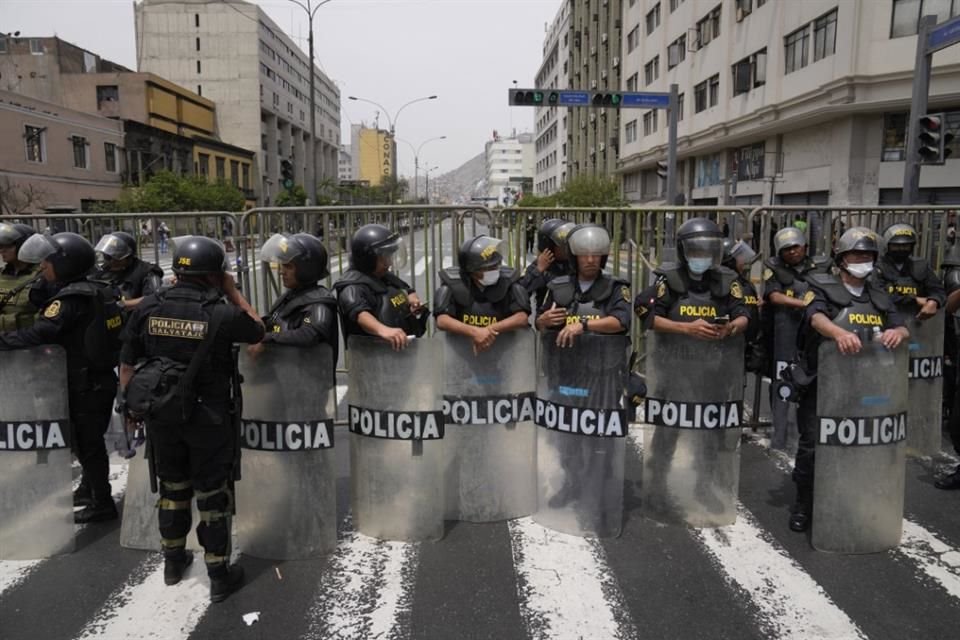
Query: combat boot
{"type": "Point", "coordinates": [950, 482]}
{"type": "Point", "coordinates": [175, 563]}
{"type": "Point", "coordinates": [82, 497]}
{"type": "Point", "coordinates": [801, 513]}
{"type": "Point", "coordinates": [225, 582]}
{"type": "Point", "coordinates": [101, 510]}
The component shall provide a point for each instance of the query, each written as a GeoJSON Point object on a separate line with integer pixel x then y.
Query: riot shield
{"type": "Point", "coordinates": [490, 440]}
{"type": "Point", "coordinates": [861, 439]}
{"type": "Point", "coordinates": [36, 504]}
{"type": "Point", "coordinates": [580, 437]}
{"type": "Point", "coordinates": [926, 386]}
{"type": "Point", "coordinates": [287, 501]}
{"type": "Point", "coordinates": [139, 528]}
{"type": "Point", "coordinates": [395, 420]}
{"type": "Point", "coordinates": [786, 326]}
{"type": "Point", "coordinates": [691, 436]}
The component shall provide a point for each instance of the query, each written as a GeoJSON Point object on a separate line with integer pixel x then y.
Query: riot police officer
{"type": "Point", "coordinates": [81, 318]}
{"type": "Point", "coordinates": [119, 266]}
{"type": "Point", "coordinates": [587, 299]}
{"type": "Point", "coordinates": [737, 256]}
{"type": "Point", "coordinates": [951, 382]}
{"type": "Point", "coordinates": [196, 456]}
{"type": "Point", "coordinates": [911, 283]}
{"type": "Point", "coordinates": [481, 298]}
{"type": "Point", "coordinates": [848, 309]}
{"type": "Point", "coordinates": [306, 314]}
{"type": "Point", "coordinates": [552, 259]}
{"type": "Point", "coordinates": [373, 301]}
{"type": "Point", "coordinates": [16, 278]}
{"type": "Point", "coordinates": [785, 278]}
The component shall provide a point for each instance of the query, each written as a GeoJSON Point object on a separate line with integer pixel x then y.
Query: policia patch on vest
{"type": "Point", "coordinates": [506, 409]}
{"type": "Point", "coordinates": [859, 432]}
{"type": "Point", "coordinates": [310, 435]}
{"type": "Point", "coordinates": [34, 435]}
{"type": "Point", "coordinates": [52, 310]}
{"type": "Point", "coordinates": [173, 328]}
{"type": "Point", "coordinates": [396, 425]}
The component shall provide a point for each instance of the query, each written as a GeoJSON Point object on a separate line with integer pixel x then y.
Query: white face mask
{"type": "Point", "coordinates": [490, 278]}
{"type": "Point", "coordinates": [860, 270]}
{"type": "Point", "coordinates": [699, 265]}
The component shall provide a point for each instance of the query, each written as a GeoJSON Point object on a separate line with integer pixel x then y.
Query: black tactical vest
{"type": "Point", "coordinates": [584, 305]}
{"type": "Point", "coordinates": [904, 282]}
{"type": "Point", "coordinates": [290, 310]}
{"type": "Point", "coordinates": [705, 301]}
{"type": "Point", "coordinates": [484, 310]}
{"type": "Point", "coordinates": [94, 347]}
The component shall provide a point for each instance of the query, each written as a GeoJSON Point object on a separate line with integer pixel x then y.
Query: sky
{"type": "Point", "coordinates": [467, 52]}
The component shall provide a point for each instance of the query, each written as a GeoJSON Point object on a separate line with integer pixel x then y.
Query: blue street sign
{"type": "Point", "coordinates": [944, 35]}
{"type": "Point", "coordinates": [648, 100]}
{"type": "Point", "coordinates": [573, 98]}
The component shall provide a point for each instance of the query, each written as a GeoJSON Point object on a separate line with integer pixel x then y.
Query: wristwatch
{"type": "Point", "coordinates": [584, 323]}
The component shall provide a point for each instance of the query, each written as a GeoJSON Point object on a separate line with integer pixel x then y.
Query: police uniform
{"type": "Point", "coordinates": [606, 296]}
{"type": "Point", "coordinates": [951, 280]}
{"type": "Point", "coordinates": [139, 279]}
{"type": "Point", "coordinates": [385, 298]}
{"type": "Point", "coordinates": [16, 309]}
{"type": "Point", "coordinates": [681, 298]}
{"type": "Point", "coordinates": [460, 298]}
{"type": "Point", "coordinates": [863, 314]}
{"type": "Point", "coordinates": [303, 317]}
{"type": "Point", "coordinates": [908, 280]}
{"type": "Point", "coordinates": [194, 458]}
{"type": "Point", "coordinates": [791, 281]}
{"type": "Point", "coordinates": [535, 281]}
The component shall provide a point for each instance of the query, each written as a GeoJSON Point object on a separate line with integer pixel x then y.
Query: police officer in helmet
{"type": "Point", "coordinates": [911, 283]}
{"type": "Point", "coordinates": [373, 301]}
{"type": "Point", "coordinates": [481, 298]}
{"type": "Point", "coordinates": [16, 278]}
{"type": "Point", "coordinates": [738, 256]}
{"type": "Point", "coordinates": [847, 310]}
{"type": "Point", "coordinates": [951, 380]}
{"type": "Point", "coordinates": [587, 299]}
{"type": "Point", "coordinates": [119, 266]}
{"type": "Point", "coordinates": [552, 259]}
{"type": "Point", "coordinates": [195, 457]}
{"type": "Point", "coordinates": [306, 314]}
{"type": "Point", "coordinates": [80, 318]}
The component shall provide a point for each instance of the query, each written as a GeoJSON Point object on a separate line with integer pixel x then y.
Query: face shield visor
{"type": "Point", "coordinates": [589, 241]}
{"type": "Point", "coordinates": [484, 254]}
{"type": "Point", "coordinates": [36, 249]}
{"type": "Point", "coordinates": [702, 248]}
{"type": "Point", "coordinates": [394, 250]}
{"type": "Point", "coordinates": [110, 248]}
{"type": "Point", "coordinates": [743, 253]}
{"type": "Point", "coordinates": [280, 249]}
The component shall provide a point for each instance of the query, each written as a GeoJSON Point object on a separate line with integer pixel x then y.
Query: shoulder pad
{"type": "Point", "coordinates": [784, 274]}
{"type": "Point", "coordinates": [460, 289]}
{"type": "Point", "coordinates": [822, 263]}
{"type": "Point", "coordinates": [354, 277]}
{"type": "Point", "coordinates": [918, 268]}
{"type": "Point", "coordinates": [672, 273]}
{"type": "Point", "coordinates": [509, 274]}
{"type": "Point", "coordinates": [314, 295]}
{"type": "Point", "coordinates": [831, 287]}
{"type": "Point", "coordinates": [602, 288]}
{"type": "Point", "coordinates": [562, 290]}
{"type": "Point", "coordinates": [722, 280]}
{"type": "Point", "coordinates": [879, 296]}
{"type": "Point", "coordinates": [88, 288]}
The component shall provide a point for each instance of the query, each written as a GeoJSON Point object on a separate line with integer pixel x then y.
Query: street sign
{"type": "Point", "coordinates": [944, 35]}
{"type": "Point", "coordinates": [573, 98]}
{"type": "Point", "coordinates": [608, 98]}
{"type": "Point", "coordinates": [646, 100]}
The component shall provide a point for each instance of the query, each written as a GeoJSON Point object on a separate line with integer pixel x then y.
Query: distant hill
{"type": "Point", "coordinates": [461, 184]}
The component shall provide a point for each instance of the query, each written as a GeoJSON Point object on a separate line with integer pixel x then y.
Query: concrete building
{"type": "Point", "coordinates": [594, 63]}
{"type": "Point", "coordinates": [234, 54]}
{"type": "Point", "coordinates": [373, 154]}
{"type": "Point", "coordinates": [56, 157]}
{"type": "Point", "coordinates": [510, 166]}
{"type": "Point", "coordinates": [345, 163]}
{"type": "Point", "coordinates": [551, 122]}
{"type": "Point", "coordinates": [775, 107]}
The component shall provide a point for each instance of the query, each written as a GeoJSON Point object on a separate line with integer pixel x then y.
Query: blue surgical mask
{"type": "Point", "coordinates": [699, 266]}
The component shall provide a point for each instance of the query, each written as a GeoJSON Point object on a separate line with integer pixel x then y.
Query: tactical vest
{"type": "Point", "coordinates": [689, 305]}
{"type": "Point", "coordinates": [128, 284]}
{"type": "Point", "coordinates": [584, 305]}
{"type": "Point", "coordinates": [290, 310]}
{"type": "Point", "coordinates": [16, 310]}
{"type": "Point", "coordinates": [794, 281]}
{"type": "Point", "coordinates": [99, 343]}
{"type": "Point", "coordinates": [392, 307]}
{"type": "Point", "coordinates": [910, 283]}
{"type": "Point", "coordinates": [859, 315]}
{"type": "Point", "coordinates": [472, 310]}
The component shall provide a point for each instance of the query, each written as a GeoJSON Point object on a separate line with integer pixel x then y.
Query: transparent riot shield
{"type": "Point", "coordinates": [580, 437]}
{"type": "Point", "coordinates": [691, 438]}
{"type": "Point", "coordinates": [490, 440]}
{"type": "Point", "coordinates": [287, 500]}
{"type": "Point", "coordinates": [395, 421]}
{"type": "Point", "coordinates": [36, 503]}
{"type": "Point", "coordinates": [786, 325]}
{"type": "Point", "coordinates": [139, 528]}
{"type": "Point", "coordinates": [926, 386]}
{"type": "Point", "coordinates": [861, 441]}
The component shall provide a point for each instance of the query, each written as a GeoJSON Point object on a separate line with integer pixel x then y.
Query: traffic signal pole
{"type": "Point", "coordinates": [918, 107]}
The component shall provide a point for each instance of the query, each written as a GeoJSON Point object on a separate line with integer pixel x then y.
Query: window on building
{"type": "Point", "coordinates": [760, 3]}
{"type": "Point", "coordinates": [36, 46]}
{"type": "Point", "coordinates": [651, 71]}
{"type": "Point", "coordinates": [245, 176]}
{"type": "Point", "coordinates": [110, 157]}
{"type": "Point", "coordinates": [750, 161]}
{"type": "Point", "coordinates": [203, 164]}
{"type": "Point", "coordinates": [80, 159]}
{"type": "Point", "coordinates": [631, 131]}
{"type": "Point", "coordinates": [700, 97]}
{"type": "Point", "coordinates": [235, 173]}
{"type": "Point", "coordinates": [276, 99]}
{"type": "Point", "coordinates": [107, 93]}
{"type": "Point", "coordinates": [199, 90]}
{"type": "Point", "coordinates": [196, 19]}
{"type": "Point", "coordinates": [198, 66]}
{"type": "Point", "coordinates": [743, 8]}
{"type": "Point", "coordinates": [708, 170]}
{"type": "Point", "coordinates": [708, 28]}
{"type": "Point", "coordinates": [750, 72]}
{"type": "Point", "coordinates": [221, 168]}
{"type": "Point", "coordinates": [796, 49]}
{"type": "Point", "coordinates": [650, 122]}
{"type": "Point", "coordinates": [653, 19]}
{"type": "Point", "coordinates": [714, 83]}
{"type": "Point", "coordinates": [198, 44]}
{"type": "Point", "coordinates": [905, 20]}
{"type": "Point", "coordinates": [632, 82]}
{"type": "Point", "coordinates": [674, 4]}
{"type": "Point", "coordinates": [3, 44]}
{"type": "Point", "coordinates": [35, 139]}
{"type": "Point", "coordinates": [680, 107]}
{"type": "Point", "coordinates": [825, 36]}
{"type": "Point", "coordinates": [894, 137]}
{"type": "Point", "coordinates": [633, 2]}
{"type": "Point", "coordinates": [677, 51]}
{"type": "Point", "coordinates": [633, 39]}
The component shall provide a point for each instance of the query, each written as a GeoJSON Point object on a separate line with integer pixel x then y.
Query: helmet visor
{"type": "Point", "coordinates": [36, 249]}
{"type": "Point", "coordinates": [485, 254]}
{"type": "Point", "coordinates": [395, 250]}
{"type": "Point", "coordinates": [590, 241]}
{"type": "Point", "coordinates": [280, 248]}
{"type": "Point", "coordinates": [742, 251]}
{"type": "Point", "coordinates": [703, 247]}
{"type": "Point", "coordinates": [112, 247]}
{"type": "Point", "coordinates": [559, 235]}
{"type": "Point", "coordinates": [8, 235]}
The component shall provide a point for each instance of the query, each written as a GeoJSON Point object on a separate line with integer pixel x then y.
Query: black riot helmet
{"type": "Point", "coordinates": [951, 258]}
{"type": "Point", "coordinates": [14, 235]}
{"type": "Point", "coordinates": [480, 253]}
{"type": "Point", "coordinates": [857, 239]}
{"type": "Point", "coordinates": [374, 240]}
{"type": "Point", "coordinates": [588, 240]}
{"type": "Point", "coordinates": [198, 256]}
{"type": "Point", "coordinates": [547, 227]}
{"type": "Point", "coordinates": [303, 250]}
{"type": "Point", "coordinates": [899, 240]}
{"type": "Point", "coordinates": [734, 250]}
{"type": "Point", "coordinates": [700, 239]}
{"type": "Point", "coordinates": [71, 255]}
{"type": "Point", "coordinates": [117, 245]}
{"type": "Point", "coordinates": [788, 237]}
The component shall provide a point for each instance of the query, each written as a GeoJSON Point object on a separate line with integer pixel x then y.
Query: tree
{"type": "Point", "coordinates": [582, 191]}
{"type": "Point", "coordinates": [167, 191]}
{"type": "Point", "coordinates": [296, 197]}
{"type": "Point", "coordinates": [16, 198]}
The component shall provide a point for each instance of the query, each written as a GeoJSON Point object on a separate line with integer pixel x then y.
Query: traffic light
{"type": "Point", "coordinates": [934, 139]}
{"type": "Point", "coordinates": [607, 99]}
{"type": "Point", "coordinates": [526, 97]}
{"type": "Point", "coordinates": [662, 169]}
{"type": "Point", "coordinates": [286, 174]}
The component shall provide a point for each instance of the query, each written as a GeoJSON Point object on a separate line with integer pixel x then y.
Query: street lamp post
{"type": "Point", "coordinates": [426, 187]}
{"type": "Point", "coordinates": [311, 10]}
{"type": "Point", "coordinates": [393, 120]}
{"type": "Point", "coordinates": [416, 162]}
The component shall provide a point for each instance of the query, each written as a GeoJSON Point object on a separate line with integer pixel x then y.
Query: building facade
{"type": "Point", "coordinates": [551, 121]}
{"type": "Point", "coordinates": [373, 157]}
{"type": "Point", "coordinates": [776, 108]}
{"type": "Point", "coordinates": [234, 54]}
{"type": "Point", "coordinates": [54, 157]}
{"type": "Point", "coordinates": [345, 163]}
{"type": "Point", "coordinates": [509, 167]}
